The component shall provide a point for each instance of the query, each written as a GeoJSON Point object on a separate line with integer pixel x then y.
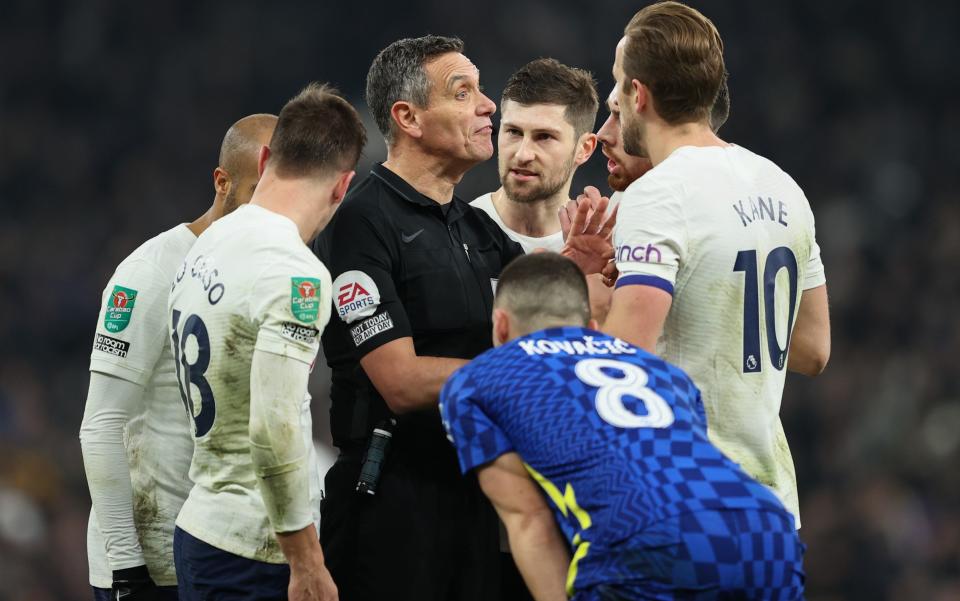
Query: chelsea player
{"type": "Point", "coordinates": [616, 440]}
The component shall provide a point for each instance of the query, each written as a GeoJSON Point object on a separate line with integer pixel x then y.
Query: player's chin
{"type": "Point", "coordinates": [618, 182]}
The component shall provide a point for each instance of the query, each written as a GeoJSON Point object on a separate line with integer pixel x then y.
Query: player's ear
{"type": "Point", "coordinates": [643, 95]}
{"type": "Point", "coordinates": [340, 188]}
{"type": "Point", "coordinates": [221, 181]}
{"type": "Point", "coordinates": [593, 324]}
{"type": "Point", "coordinates": [501, 327]}
{"type": "Point", "coordinates": [585, 147]}
{"type": "Point", "coordinates": [405, 119]}
{"type": "Point", "coordinates": [262, 159]}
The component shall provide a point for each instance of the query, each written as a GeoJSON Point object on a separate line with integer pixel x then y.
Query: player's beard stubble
{"type": "Point", "coordinates": [632, 131]}
{"type": "Point", "coordinates": [230, 203]}
{"type": "Point", "coordinates": [547, 187]}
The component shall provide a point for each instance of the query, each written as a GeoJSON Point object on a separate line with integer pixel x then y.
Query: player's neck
{"type": "Point", "coordinates": [430, 174]}
{"type": "Point", "coordinates": [201, 223]}
{"type": "Point", "coordinates": [535, 219]}
{"type": "Point", "coordinates": [293, 199]}
{"type": "Point", "coordinates": [662, 139]}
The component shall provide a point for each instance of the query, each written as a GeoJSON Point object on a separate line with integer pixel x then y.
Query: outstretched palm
{"type": "Point", "coordinates": [587, 231]}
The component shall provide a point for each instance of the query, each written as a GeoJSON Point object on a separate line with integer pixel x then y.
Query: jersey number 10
{"type": "Point", "coordinates": [192, 373]}
{"type": "Point", "coordinates": [779, 258]}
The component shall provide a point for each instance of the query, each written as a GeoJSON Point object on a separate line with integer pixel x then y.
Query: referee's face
{"type": "Point", "coordinates": [456, 123]}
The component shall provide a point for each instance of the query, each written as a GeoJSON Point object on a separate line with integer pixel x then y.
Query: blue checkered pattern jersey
{"type": "Point", "coordinates": [617, 440]}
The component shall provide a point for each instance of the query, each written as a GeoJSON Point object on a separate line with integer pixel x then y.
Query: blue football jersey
{"type": "Point", "coordinates": [615, 436]}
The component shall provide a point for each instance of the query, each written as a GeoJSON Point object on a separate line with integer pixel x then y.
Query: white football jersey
{"type": "Point", "coordinates": [551, 242]}
{"type": "Point", "coordinates": [249, 282]}
{"type": "Point", "coordinates": [731, 236]}
{"type": "Point", "coordinates": [131, 343]}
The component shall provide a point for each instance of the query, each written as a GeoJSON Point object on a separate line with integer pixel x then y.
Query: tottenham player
{"type": "Point", "coordinates": [246, 312]}
{"type": "Point", "coordinates": [548, 110]}
{"type": "Point", "coordinates": [136, 448]}
{"type": "Point", "coordinates": [719, 269]}
{"type": "Point", "coordinates": [622, 168]}
{"type": "Point", "coordinates": [616, 439]}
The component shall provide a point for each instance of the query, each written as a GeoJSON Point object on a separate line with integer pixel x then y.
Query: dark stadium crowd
{"type": "Point", "coordinates": [110, 120]}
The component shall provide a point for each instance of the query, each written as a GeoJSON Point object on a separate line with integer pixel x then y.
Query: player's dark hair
{"type": "Point", "coordinates": [398, 73]}
{"type": "Point", "coordinates": [547, 81]}
{"type": "Point", "coordinates": [318, 132]}
{"type": "Point", "coordinates": [543, 290]}
{"type": "Point", "coordinates": [721, 107]}
{"type": "Point", "coordinates": [677, 53]}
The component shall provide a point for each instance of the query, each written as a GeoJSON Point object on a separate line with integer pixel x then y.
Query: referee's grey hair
{"type": "Point", "coordinates": [398, 73]}
{"type": "Point", "coordinates": [543, 290]}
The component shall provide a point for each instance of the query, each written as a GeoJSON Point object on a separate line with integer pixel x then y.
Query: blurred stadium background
{"type": "Point", "coordinates": [111, 115]}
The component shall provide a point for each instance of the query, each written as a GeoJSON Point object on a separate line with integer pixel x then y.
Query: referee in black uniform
{"type": "Point", "coordinates": [414, 271]}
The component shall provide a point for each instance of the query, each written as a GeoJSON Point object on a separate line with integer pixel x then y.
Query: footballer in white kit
{"type": "Point", "coordinates": [134, 436]}
{"type": "Point", "coordinates": [715, 246]}
{"type": "Point", "coordinates": [548, 110]}
{"type": "Point", "coordinates": [130, 345]}
{"type": "Point", "coordinates": [731, 237]}
{"type": "Point", "coordinates": [249, 283]}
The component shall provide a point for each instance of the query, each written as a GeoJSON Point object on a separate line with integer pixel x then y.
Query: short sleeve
{"type": "Point", "coordinates": [477, 439]}
{"type": "Point", "coordinates": [290, 303]}
{"type": "Point", "coordinates": [814, 274]}
{"type": "Point", "coordinates": [650, 238]}
{"type": "Point", "coordinates": [364, 294]}
{"type": "Point", "coordinates": [132, 325]}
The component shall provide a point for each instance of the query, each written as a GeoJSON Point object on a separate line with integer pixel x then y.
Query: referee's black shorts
{"type": "Point", "coordinates": [427, 535]}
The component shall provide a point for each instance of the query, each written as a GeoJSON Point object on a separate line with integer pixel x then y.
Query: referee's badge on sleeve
{"type": "Point", "coordinates": [356, 297]}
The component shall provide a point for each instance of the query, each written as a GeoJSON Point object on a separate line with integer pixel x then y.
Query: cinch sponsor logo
{"type": "Point", "coordinates": [351, 297]}
{"type": "Point", "coordinates": [639, 254]}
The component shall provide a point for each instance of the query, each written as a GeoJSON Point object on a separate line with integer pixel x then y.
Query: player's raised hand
{"type": "Point", "coordinates": [587, 230]}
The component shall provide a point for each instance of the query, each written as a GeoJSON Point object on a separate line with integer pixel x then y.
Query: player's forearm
{"type": "Point", "coordinates": [277, 446]}
{"type": "Point", "coordinates": [540, 553]}
{"type": "Point", "coordinates": [301, 548]}
{"type": "Point", "coordinates": [107, 469]}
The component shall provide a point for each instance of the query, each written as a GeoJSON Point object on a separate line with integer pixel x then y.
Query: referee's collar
{"type": "Point", "coordinates": [410, 194]}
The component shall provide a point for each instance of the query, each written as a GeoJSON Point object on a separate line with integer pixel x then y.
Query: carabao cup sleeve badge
{"type": "Point", "coordinates": [305, 299]}
{"type": "Point", "coordinates": [119, 309]}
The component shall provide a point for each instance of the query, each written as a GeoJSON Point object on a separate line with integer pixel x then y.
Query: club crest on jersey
{"type": "Point", "coordinates": [304, 299]}
{"type": "Point", "coordinates": [357, 296]}
{"type": "Point", "coordinates": [119, 309]}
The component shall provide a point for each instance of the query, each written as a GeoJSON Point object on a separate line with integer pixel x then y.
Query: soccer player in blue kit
{"type": "Point", "coordinates": [615, 438]}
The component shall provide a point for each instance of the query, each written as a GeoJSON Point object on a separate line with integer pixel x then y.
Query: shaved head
{"type": "Point", "coordinates": [239, 153]}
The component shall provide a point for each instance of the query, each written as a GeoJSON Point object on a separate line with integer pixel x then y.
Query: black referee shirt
{"type": "Point", "coordinates": [404, 265]}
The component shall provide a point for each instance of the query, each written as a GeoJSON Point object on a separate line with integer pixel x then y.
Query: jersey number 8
{"type": "Point", "coordinates": [192, 373]}
{"type": "Point", "coordinates": [612, 390]}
